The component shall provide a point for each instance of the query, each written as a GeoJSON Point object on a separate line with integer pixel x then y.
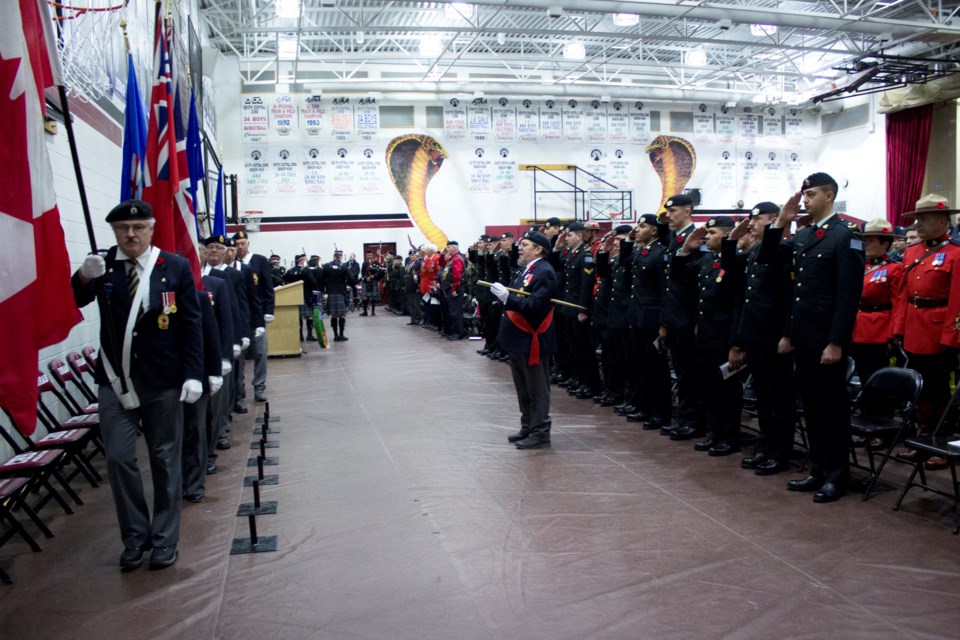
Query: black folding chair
{"type": "Point", "coordinates": [79, 365]}
{"type": "Point", "coordinates": [884, 412]}
{"type": "Point", "coordinates": [937, 444]}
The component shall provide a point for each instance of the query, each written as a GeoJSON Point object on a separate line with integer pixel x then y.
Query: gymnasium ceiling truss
{"type": "Point", "coordinates": [764, 51]}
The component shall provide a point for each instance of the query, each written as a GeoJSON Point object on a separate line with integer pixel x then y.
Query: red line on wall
{"type": "Point", "coordinates": [326, 226]}
{"type": "Point", "coordinates": [97, 119]}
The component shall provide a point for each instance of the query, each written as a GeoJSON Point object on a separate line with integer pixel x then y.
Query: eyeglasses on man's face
{"type": "Point", "coordinates": [136, 227]}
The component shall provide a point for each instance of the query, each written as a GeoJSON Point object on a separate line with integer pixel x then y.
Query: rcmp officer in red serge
{"type": "Point", "coordinates": [882, 280]}
{"type": "Point", "coordinates": [527, 335]}
{"type": "Point", "coordinates": [154, 324]}
{"type": "Point", "coordinates": [928, 309]}
{"type": "Point", "coordinates": [828, 277]}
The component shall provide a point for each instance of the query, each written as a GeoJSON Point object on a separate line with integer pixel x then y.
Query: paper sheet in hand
{"type": "Point", "coordinates": [726, 372]}
{"type": "Point", "coordinates": [954, 443]}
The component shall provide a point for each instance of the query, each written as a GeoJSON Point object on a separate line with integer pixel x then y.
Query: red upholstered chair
{"type": "Point", "coordinates": [90, 355]}
{"type": "Point", "coordinates": [38, 466]}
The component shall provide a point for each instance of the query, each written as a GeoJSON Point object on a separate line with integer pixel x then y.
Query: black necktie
{"type": "Point", "coordinates": [133, 280]}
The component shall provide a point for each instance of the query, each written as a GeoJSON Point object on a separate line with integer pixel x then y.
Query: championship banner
{"type": "Point", "coordinates": [795, 171]}
{"type": "Point", "coordinates": [772, 126]}
{"type": "Point", "coordinates": [479, 120]}
{"type": "Point", "coordinates": [727, 174]}
{"type": "Point", "coordinates": [726, 126]}
{"type": "Point", "coordinates": [284, 172]}
{"type": "Point", "coordinates": [618, 124]}
{"type": "Point", "coordinates": [639, 124]}
{"type": "Point", "coordinates": [504, 122]}
{"type": "Point", "coordinates": [703, 125]}
{"type": "Point", "coordinates": [618, 170]}
{"type": "Point", "coordinates": [551, 122]}
{"type": "Point", "coordinates": [314, 172]}
{"type": "Point", "coordinates": [598, 170]}
{"type": "Point", "coordinates": [774, 178]}
{"type": "Point", "coordinates": [596, 121]}
{"type": "Point", "coordinates": [793, 126]}
{"type": "Point", "coordinates": [283, 117]}
{"type": "Point", "coordinates": [748, 123]}
{"type": "Point", "coordinates": [370, 178]}
{"type": "Point", "coordinates": [528, 122]}
{"type": "Point", "coordinates": [574, 124]}
{"type": "Point", "coordinates": [254, 123]}
{"type": "Point", "coordinates": [481, 172]}
{"type": "Point", "coordinates": [313, 116]}
{"type": "Point", "coordinates": [505, 174]}
{"type": "Point", "coordinates": [366, 116]}
{"type": "Point", "coordinates": [343, 174]}
{"type": "Point", "coordinates": [256, 165]}
{"type": "Point", "coordinates": [748, 171]}
{"type": "Point", "coordinates": [341, 120]}
{"type": "Point", "coordinates": [454, 122]}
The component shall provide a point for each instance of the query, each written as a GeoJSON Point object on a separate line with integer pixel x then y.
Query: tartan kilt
{"type": "Point", "coordinates": [371, 291]}
{"type": "Point", "coordinates": [336, 306]}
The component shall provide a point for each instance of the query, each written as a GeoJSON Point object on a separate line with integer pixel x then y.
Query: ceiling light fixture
{"type": "Point", "coordinates": [287, 46]}
{"type": "Point", "coordinates": [359, 37]}
{"type": "Point", "coordinates": [695, 58]}
{"type": "Point", "coordinates": [501, 38]}
{"type": "Point", "coordinates": [288, 8]}
{"type": "Point", "coordinates": [760, 30]}
{"type": "Point", "coordinates": [574, 51]}
{"type": "Point", "coordinates": [458, 10]}
{"type": "Point", "coordinates": [626, 19]}
{"type": "Point", "coordinates": [431, 46]}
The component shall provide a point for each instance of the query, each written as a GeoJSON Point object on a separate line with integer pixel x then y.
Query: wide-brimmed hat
{"type": "Point", "coordinates": [879, 227]}
{"type": "Point", "coordinates": [931, 203]}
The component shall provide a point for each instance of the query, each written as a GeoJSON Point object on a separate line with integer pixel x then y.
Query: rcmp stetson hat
{"type": "Point", "coordinates": [130, 210]}
{"type": "Point", "coordinates": [575, 226]}
{"type": "Point", "coordinates": [539, 239]}
{"type": "Point", "coordinates": [879, 227]}
{"type": "Point", "coordinates": [764, 207]}
{"type": "Point", "coordinates": [679, 200]}
{"type": "Point", "coordinates": [648, 218]}
{"type": "Point", "coordinates": [818, 179]}
{"type": "Point", "coordinates": [591, 225]}
{"type": "Point", "coordinates": [621, 229]}
{"type": "Point", "coordinates": [214, 240]}
{"type": "Point", "coordinates": [720, 221]}
{"type": "Point", "coordinates": [931, 203]}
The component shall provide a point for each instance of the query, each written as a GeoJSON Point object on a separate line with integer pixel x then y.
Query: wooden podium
{"type": "Point", "coordinates": [283, 334]}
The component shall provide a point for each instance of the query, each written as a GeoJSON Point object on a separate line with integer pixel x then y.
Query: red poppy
{"type": "Point", "coordinates": [716, 265]}
{"type": "Point", "coordinates": [159, 260]}
{"type": "Point", "coordinates": [644, 252]}
{"type": "Point", "coordinates": [819, 233]}
{"type": "Point", "coordinates": [680, 238]}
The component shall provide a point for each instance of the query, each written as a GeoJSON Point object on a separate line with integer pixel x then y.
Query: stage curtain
{"type": "Point", "coordinates": [908, 141]}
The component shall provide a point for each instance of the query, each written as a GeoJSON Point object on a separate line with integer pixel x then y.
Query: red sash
{"type": "Point", "coordinates": [521, 323]}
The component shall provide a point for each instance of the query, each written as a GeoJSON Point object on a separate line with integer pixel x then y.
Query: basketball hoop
{"type": "Point", "coordinates": [251, 220]}
{"type": "Point", "coordinates": [92, 53]}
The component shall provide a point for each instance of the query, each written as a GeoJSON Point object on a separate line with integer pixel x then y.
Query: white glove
{"type": "Point", "coordinates": [215, 383]}
{"type": "Point", "coordinates": [259, 331]}
{"type": "Point", "coordinates": [191, 392]}
{"type": "Point", "coordinates": [93, 266]}
{"type": "Point", "coordinates": [244, 343]}
{"type": "Point", "coordinates": [237, 350]}
{"type": "Point", "coordinates": [268, 317]}
{"type": "Point", "coordinates": [226, 367]}
{"type": "Point", "coordinates": [499, 291]}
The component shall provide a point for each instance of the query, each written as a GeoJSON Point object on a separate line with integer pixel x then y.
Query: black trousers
{"type": "Point", "coordinates": [652, 394]}
{"type": "Point", "coordinates": [566, 342]}
{"type": "Point", "coordinates": [492, 324]}
{"type": "Point", "coordinates": [683, 354]}
{"type": "Point", "coordinates": [724, 397]}
{"type": "Point", "coordinates": [532, 383]}
{"type": "Point", "coordinates": [617, 356]}
{"type": "Point", "coordinates": [453, 322]}
{"type": "Point", "coordinates": [935, 370]}
{"type": "Point", "coordinates": [776, 406]}
{"type": "Point", "coordinates": [585, 355]}
{"type": "Point", "coordinates": [826, 408]}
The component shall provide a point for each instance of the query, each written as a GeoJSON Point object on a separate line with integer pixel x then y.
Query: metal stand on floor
{"type": "Point", "coordinates": [256, 543]}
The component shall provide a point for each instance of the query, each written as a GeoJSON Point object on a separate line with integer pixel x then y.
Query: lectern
{"type": "Point", "coordinates": [283, 334]}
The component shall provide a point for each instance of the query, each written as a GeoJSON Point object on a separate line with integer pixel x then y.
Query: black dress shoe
{"type": "Point", "coordinates": [654, 424]}
{"type": "Point", "coordinates": [626, 409]}
{"type": "Point", "coordinates": [609, 401]}
{"type": "Point", "coordinates": [211, 468]}
{"type": "Point", "coordinates": [829, 492]}
{"type": "Point", "coordinates": [163, 557]}
{"type": "Point", "coordinates": [668, 429]}
{"type": "Point", "coordinates": [261, 396]}
{"type": "Point", "coordinates": [483, 351]}
{"type": "Point", "coordinates": [131, 558]}
{"type": "Point", "coordinates": [239, 408]}
{"type": "Point", "coordinates": [752, 462]}
{"type": "Point", "coordinates": [555, 378]}
{"type": "Point", "coordinates": [638, 416]}
{"type": "Point", "coordinates": [193, 497]}
{"type": "Point", "coordinates": [771, 466]}
{"type": "Point", "coordinates": [518, 436]}
{"type": "Point", "coordinates": [705, 444]}
{"type": "Point", "coordinates": [311, 339]}
{"type": "Point", "coordinates": [566, 382]}
{"type": "Point", "coordinates": [585, 394]}
{"type": "Point", "coordinates": [534, 441]}
{"type": "Point", "coordinates": [724, 448]}
{"type": "Point", "coordinates": [686, 433]}
{"type": "Point", "coordinates": [454, 337]}
{"type": "Point", "coordinates": [810, 483]}
{"type": "Point", "coordinates": [504, 357]}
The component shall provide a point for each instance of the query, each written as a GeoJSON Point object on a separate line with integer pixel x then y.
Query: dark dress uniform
{"type": "Point", "coordinates": [577, 288]}
{"type": "Point", "coordinates": [618, 362]}
{"type": "Point", "coordinates": [828, 277]}
{"type": "Point", "coordinates": [610, 379]}
{"type": "Point", "coordinates": [412, 290]}
{"type": "Point", "coordinates": [227, 312]}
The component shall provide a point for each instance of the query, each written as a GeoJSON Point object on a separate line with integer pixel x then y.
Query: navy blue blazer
{"type": "Point", "coordinates": [261, 274]}
{"type": "Point", "coordinates": [541, 282]}
{"type": "Point", "coordinates": [221, 298]}
{"type": "Point", "coordinates": [242, 324]}
{"type": "Point", "coordinates": [160, 358]}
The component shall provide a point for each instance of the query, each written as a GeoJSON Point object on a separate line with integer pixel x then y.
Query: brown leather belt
{"type": "Point", "coordinates": [875, 307]}
{"type": "Point", "coordinates": [927, 303]}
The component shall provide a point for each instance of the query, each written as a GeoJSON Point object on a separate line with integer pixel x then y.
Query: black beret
{"type": "Point", "coordinates": [214, 240]}
{"type": "Point", "coordinates": [622, 229]}
{"type": "Point", "coordinates": [648, 218]}
{"type": "Point", "coordinates": [230, 243]}
{"type": "Point", "coordinates": [539, 239]}
{"type": "Point", "coordinates": [818, 179]}
{"type": "Point", "coordinates": [453, 242]}
{"type": "Point", "coordinates": [575, 226]}
{"type": "Point", "coordinates": [240, 235]}
{"type": "Point", "coordinates": [274, 256]}
{"type": "Point", "coordinates": [508, 234]}
{"type": "Point", "coordinates": [130, 210]}
{"type": "Point", "coordinates": [553, 222]}
{"type": "Point", "coordinates": [764, 207]}
{"type": "Point", "coordinates": [484, 238]}
{"type": "Point", "coordinates": [679, 200]}
{"type": "Point", "coordinates": [720, 221]}
{"type": "Point", "coordinates": [412, 252]}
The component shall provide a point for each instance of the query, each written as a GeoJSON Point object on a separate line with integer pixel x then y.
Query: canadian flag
{"type": "Point", "coordinates": [36, 300]}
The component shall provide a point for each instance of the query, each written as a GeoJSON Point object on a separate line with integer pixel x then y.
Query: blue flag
{"type": "Point", "coordinates": [219, 217]}
{"type": "Point", "coordinates": [194, 156]}
{"type": "Point", "coordinates": [134, 138]}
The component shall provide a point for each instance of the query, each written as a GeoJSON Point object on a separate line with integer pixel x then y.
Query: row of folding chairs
{"type": "Point", "coordinates": [42, 468]}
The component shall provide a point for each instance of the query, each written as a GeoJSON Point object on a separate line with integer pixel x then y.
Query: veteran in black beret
{"type": "Point", "coordinates": [828, 264]}
{"type": "Point", "coordinates": [263, 307]}
{"type": "Point", "coordinates": [151, 360]}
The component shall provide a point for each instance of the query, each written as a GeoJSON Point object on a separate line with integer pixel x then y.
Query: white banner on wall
{"type": "Point", "coordinates": [284, 171]}
{"type": "Point", "coordinates": [454, 122]}
{"type": "Point", "coordinates": [341, 120]}
{"type": "Point", "coordinates": [574, 125]}
{"type": "Point", "coordinates": [551, 123]}
{"type": "Point", "coordinates": [793, 126]}
{"type": "Point", "coordinates": [727, 174]}
{"type": "Point", "coordinates": [504, 123]}
{"type": "Point", "coordinates": [703, 125]}
{"type": "Point", "coordinates": [256, 165]}
{"type": "Point", "coordinates": [596, 118]}
{"type": "Point", "coordinates": [314, 172]}
{"type": "Point", "coordinates": [283, 117]}
{"type": "Point", "coordinates": [748, 127]}
{"type": "Point", "coordinates": [639, 124]}
{"type": "Point", "coordinates": [479, 122]}
{"type": "Point", "coordinates": [726, 126]}
{"type": "Point", "coordinates": [481, 171]}
{"type": "Point", "coordinates": [254, 121]}
{"type": "Point", "coordinates": [366, 117]}
{"type": "Point", "coordinates": [343, 173]}
{"type": "Point", "coordinates": [618, 169]}
{"type": "Point", "coordinates": [528, 120]}
{"type": "Point", "coordinates": [505, 174]}
{"type": "Point", "coordinates": [748, 171]}
{"type": "Point", "coordinates": [772, 126]}
{"type": "Point", "coordinates": [313, 116]}
{"type": "Point", "coordinates": [370, 178]}
{"type": "Point", "coordinates": [618, 125]}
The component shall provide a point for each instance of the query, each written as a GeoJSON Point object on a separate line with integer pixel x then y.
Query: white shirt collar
{"type": "Point", "coordinates": [141, 261]}
{"type": "Point", "coordinates": [826, 220]}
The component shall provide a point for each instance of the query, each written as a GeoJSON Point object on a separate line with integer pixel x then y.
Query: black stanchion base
{"type": "Point", "coordinates": [264, 545]}
{"type": "Point", "coordinates": [270, 444]}
{"type": "Point", "coordinates": [267, 462]}
{"type": "Point", "coordinates": [270, 430]}
{"type": "Point", "coordinates": [267, 479]}
{"type": "Point", "coordinates": [266, 508]}
{"type": "Point", "coordinates": [259, 419]}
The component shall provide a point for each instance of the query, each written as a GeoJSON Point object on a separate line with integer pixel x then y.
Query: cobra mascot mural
{"type": "Point", "coordinates": [674, 160]}
{"type": "Point", "coordinates": [412, 160]}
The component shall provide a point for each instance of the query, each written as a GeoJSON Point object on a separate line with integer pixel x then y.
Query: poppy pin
{"type": "Point", "coordinates": [159, 260]}
{"type": "Point", "coordinates": [716, 265]}
{"type": "Point", "coordinates": [819, 233]}
{"type": "Point", "coordinates": [644, 252]}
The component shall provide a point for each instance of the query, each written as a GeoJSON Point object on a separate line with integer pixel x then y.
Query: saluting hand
{"type": "Point", "coordinates": [742, 229]}
{"type": "Point", "coordinates": [694, 240]}
{"type": "Point", "coordinates": [788, 212]}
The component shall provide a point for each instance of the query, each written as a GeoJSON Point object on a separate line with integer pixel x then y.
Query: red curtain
{"type": "Point", "coordinates": [908, 141]}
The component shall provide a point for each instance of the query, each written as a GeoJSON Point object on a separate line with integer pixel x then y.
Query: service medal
{"type": "Point", "coordinates": [163, 322]}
